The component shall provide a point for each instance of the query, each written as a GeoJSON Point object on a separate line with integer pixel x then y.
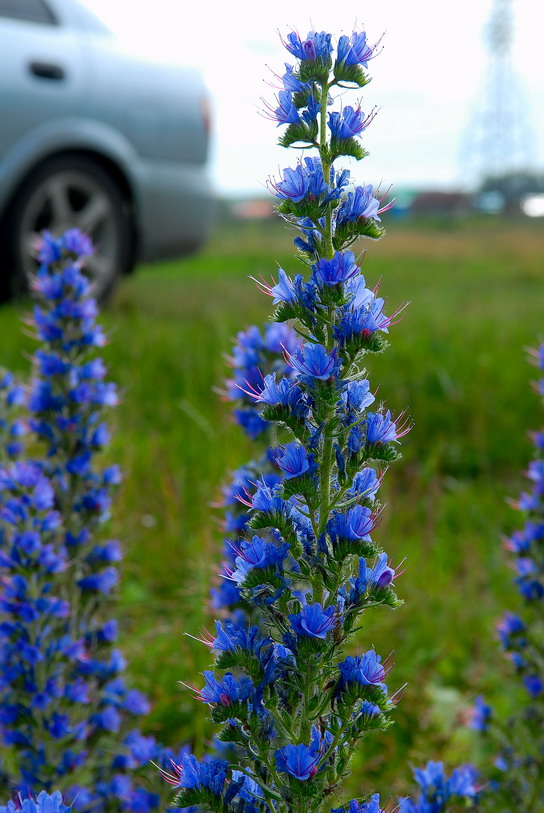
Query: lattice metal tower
{"type": "Point", "coordinates": [499, 140]}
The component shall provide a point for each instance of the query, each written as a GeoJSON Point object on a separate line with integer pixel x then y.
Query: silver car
{"type": "Point", "coordinates": [94, 136]}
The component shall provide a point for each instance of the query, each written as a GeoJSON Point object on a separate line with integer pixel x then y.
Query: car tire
{"type": "Point", "coordinates": [66, 192]}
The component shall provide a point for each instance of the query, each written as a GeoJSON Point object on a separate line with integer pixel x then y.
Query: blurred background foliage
{"type": "Point", "coordinates": [456, 362]}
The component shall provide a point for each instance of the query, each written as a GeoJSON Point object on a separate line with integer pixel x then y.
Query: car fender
{"type": "Point", "coordinates": [66, 135]}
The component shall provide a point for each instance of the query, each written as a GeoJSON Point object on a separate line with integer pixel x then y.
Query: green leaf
{"type": "Point", "coordinates": [358, 547]}
{"type": "Point", "coordinates": [273, 519]}
{"type": "Point", "coordinates": [357, 691]}
{"type": "Point", "coordinates": [315, 70]}
{"type": "Point", "coordinates": [231, 733]}
{"type": "Point", "coordinates": [198, 797]}
{"type": "Point", "coordinates": [300, 98]}
{"type": "Point", "coordinates": [261, 576]}
{"type": "Point", "coordinates": [235, 711]}
{"type": "Point", "coordinates": [387, 596]}
{"type": "Point", "coordinates": [382, 451]}
{"type": "Point", "coordinates": [304, 486]}
{"type": "Point", "coordinates": [365, 343]}
{"type": "Point", "coordinates": [353, 74]}
{"type": "Point", "coordinates": [347, 146]}
{"type": "Point", "coordinates": [290, 310]}
{"type": "Point", "coordinates": [282, 415]}
{"type": "Point", "coordinates": [349, 231]}
{"type": "Point", "coordinates": [332, 295]}
{"type": "Point", "coordinates": [241, 659]}
{"type": "Point", "coordinates": [299, 132]}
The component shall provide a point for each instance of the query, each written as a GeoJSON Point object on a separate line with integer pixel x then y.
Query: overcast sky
{"type": "Point", "coordinates": [428, 81]}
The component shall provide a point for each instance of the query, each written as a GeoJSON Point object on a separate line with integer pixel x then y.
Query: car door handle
{"type": "Point", "coordinates": [47, 70]}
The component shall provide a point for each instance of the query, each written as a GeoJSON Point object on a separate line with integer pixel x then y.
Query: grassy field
{"type": "Point", "coordinates": [457, 363]}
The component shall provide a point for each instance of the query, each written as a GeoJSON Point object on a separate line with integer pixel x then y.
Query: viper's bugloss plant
{"type": "Point", "coordinates": [44, 803]}
{"type": "Point", "coordinates": [255, 355]}
{"type": "Point", "coordinates": [12, 427]}
{"type": "Point", "coordinates": [438, 792]}
{"type": "Point", "coordinates": [518, 743]}
{"type": "Point", "coordinates": [66, 713]}
{"type": "Point", "coordinates": [284, 689]}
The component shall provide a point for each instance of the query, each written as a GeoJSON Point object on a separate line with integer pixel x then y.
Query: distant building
{"type": "Point", "coordinates": [509, 193]}
{"type": "Point", "coordinates": [449, 204]}
{"type": "Point", "coordinates": [252, 209]}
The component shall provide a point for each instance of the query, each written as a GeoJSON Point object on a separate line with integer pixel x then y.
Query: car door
{"type": "Point", "coordinates": [42, 66]}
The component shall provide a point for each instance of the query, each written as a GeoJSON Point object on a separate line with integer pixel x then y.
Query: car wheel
{"type": "Point", "coordinates": [68, 192]}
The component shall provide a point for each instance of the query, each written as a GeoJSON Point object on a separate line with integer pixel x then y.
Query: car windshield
{"type": "Point", "coordinates": [91, 16]}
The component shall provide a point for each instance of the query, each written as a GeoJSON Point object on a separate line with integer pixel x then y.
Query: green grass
{"type": "Point", "coordinates": [456, 362]}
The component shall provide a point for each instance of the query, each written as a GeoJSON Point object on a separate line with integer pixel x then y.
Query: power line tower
{"type": "Point", "coordinates": [499, 141]}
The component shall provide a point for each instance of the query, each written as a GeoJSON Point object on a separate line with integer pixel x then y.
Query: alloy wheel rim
{"type": "Point", "coordinates": [65, 200]}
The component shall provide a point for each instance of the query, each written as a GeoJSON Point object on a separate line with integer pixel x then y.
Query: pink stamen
{"type": "Point", "coordinates": [263, 286]}
{"type": "Point", "coordinates": [207, 638]}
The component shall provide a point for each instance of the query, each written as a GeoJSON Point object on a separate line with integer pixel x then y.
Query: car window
{"type": "Point", "coordinates": [35, 11]}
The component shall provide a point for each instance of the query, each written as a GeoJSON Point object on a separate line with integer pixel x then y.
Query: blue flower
{"type": "Point", "coordinates": [102, 582]}
{"type": "Point", "coordinates": [313, 361]}
{"type": "Point", "coordinates": [371, 806]}
{"type": "Point", "coordinates": [313, 621]}
{"type": "Point", "coordinates": [294, 45]}
{"type": "Point", "coordinates": [462, 782]}
{"type": "Point", "coordinates": [381, 428]}
{"type": "Point", "coordinates": [481, 714]}
{"type": "Point", "coordinates": [366, 669]}
{"type": "Point", "coordinates": [49, 249]}
{"type": "Point", "coordinates": [534, 685]}
{"type": "Point", "coordinates": [365, 484]}
{"type": "Point", "coordinates": [294, 184]}
{"type": "Point", "coordinates": [231, 636]}
{"type": "Point", "coordinates": [381, 574]}
{"type": "Point", "coordinates": [190, 773]}
{"type": "Point", "coordinates": [77, 243]}
{"type": "Point", "coordinates": [348, 123]}
{"type": "Point", "coordinates": [44, 803]}
{"type": "Point", "coordinates": [510, 627]}
{"type": "Point", "coordinates": [251, 421]}
{"type": "Point", "coordinates": [368, 579]}
{"type": "Point", "coordinates": [311, 234]}
{"type": "Point", "coordinates": [356, 396]}
{"type": "Point", "coordinates": [136, 702]}
{"type": "Point", "coordinates": [354, 50]}
{"type": "Point", "coordinates": [299, 761]}
{"type": "Point", "coordinates": [292, 83]}
{"type": "Point", "coordinates": [357, 523]}
{"type": "Point", "coordinates": [275, 393]}
{"type": "Point", "coordinates": [340, 269]}
{"type": "Point", "coordinates": [257, 555]}
{"type": "Point", "coordinates": [247, 350]}
{"type": "Point", "coordinates": [437, 789]}
{"type": "Point", "coordinates": [313, 109]}
{"type": "Point", "coordinates": [286, 112]}
{"type": "Point", "coordinates": [292, 460]}
{"type": "Point", "coordinates": [109, 719]}
{"type": "Point", "coordinates": [278, 336]}
{"type": "Point", "coordinates": [275, 661]}
{"type": "Point", "coordinates": [360, 203]}
{"type": "Point", "coordinates": [225, 596]}
{"type": "Point", "coordinates": [317, 45]}
{"type": "Point", "coordinates": [267, 499]}
{"type": "Point", "coordinates": [284, 290]}
{"type": "Point", "coordinates": [363, 321]}
{"type": "Point", "coordinates": [227, 690]}
{"type": "Point", "coordinates": [307, 179]}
